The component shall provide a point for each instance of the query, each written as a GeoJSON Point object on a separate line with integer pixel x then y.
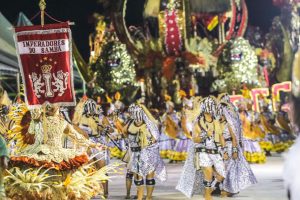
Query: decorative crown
{"type": "Point", "coordinates": [46, 68]}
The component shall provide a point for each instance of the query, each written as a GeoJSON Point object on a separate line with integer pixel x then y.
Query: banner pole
{"type": "Point", "coordinates": [42, 6]}
{"type": "Point", "coordinates": [84, 88]}
{"type": "Point", "coordinates": [18, 84]}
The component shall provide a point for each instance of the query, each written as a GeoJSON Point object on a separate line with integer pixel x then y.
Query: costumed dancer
{"type": "Point", "coordinates": [271, 140]}
{"type": "Point", "coordinates": [169, 130]}
{"type": "Point", "coordinates": [204, 160]}
{"type": "Point", "coordinates": [117, 119]}
{"type": "Point", "coordinates": [238, 171]}
{"type": "Point", "coordinates": [39, 135]}
{"type": "Point", "coordinates": [126, 157]}
{"type": "Point", "coordinates": [280, 132]}
{"type": "Point", "coordinates": [47, 148]}
{"type": "Point", "coordinates": [89, 117]}
{"type": "Point", "coordinates": [182, 142]}
{"type": "Point", "coordinates": [145, 161]}
{"type": "Point", "coordinates": [185, 128]}
{"type": "Point", "coordinates": [252, 133]}
{"type": "Point", "coordinates": [283, 122]}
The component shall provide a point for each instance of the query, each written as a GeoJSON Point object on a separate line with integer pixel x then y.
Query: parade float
{"type": "Point", "coordinates": [111, 66]}
{"type": "Point", "coordinates": [178, 41]}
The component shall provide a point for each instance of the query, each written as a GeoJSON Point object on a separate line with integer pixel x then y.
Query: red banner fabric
{"type": "Point", "coordinates": [45, 60]}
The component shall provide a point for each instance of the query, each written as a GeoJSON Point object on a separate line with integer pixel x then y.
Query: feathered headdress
{"type": "Point", "coordinates": [224, 97]}
{"type": "Point", "coordinates": [246, 93]}
{"type": "Point", "coordinates": [108, 99]}
{"type": "Point", "coordinates": [192, 92]}
{"type": "Point", "coordinates": [209, 105]}
{"type": "Point", "coordinates": [140, 111]}
{"type": "Point", "coordinates": [182, 94]}
{"type": "Point", "coordinates": [167, 97]}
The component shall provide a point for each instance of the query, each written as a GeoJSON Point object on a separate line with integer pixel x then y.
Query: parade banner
{"type": "Point", "coordinates": [45, 60]}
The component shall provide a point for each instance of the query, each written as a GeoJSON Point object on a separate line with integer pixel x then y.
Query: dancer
{"type": "Point", "coordinates": [145, 161]}
{"type": "Point", "coordinates": [204, 153]}
{"type": "Point", "coordinates": [238, 172]}
{"type": "Point", "coordinates": [169, 130]}
{"type": "Point", "coordinates": [252, 134]}
{"type": "Point", "coordinates": [47, 149]}
{"type": "Point", "coordinates": [89, 117]}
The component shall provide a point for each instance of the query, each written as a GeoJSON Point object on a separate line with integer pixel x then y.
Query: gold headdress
{"type": "Point", "coordinates": [117, 96]}
{"type": "Point", "coordinates": [182, 93]}
{"type": "Point", "coordinates": [108, 99]}
{"type": "Point", "coordinates": [246, 93]}
{"type": "Point", "coordinates": [192, 92]}
{"type": "Point", "coordinates": [168, 97]}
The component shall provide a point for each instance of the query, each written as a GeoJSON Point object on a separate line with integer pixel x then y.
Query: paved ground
{"type": "Point", "coordinates": [269, 187]}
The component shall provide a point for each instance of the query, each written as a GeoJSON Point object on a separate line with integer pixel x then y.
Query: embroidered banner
{"type": "Point", "coordinates": [45, 60]}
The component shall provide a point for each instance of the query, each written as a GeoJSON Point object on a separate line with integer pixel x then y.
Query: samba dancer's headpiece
{"type": "Point", "coordinates": [169, 103]}
{"type": "Point", "coordinates": [209, 105]}
{"type": "Point", "coordinates": [139, 112]}
{"type": "Point", "coordinates": [224, 97]}
{"type": "Point", "coordinates": [90, 108]}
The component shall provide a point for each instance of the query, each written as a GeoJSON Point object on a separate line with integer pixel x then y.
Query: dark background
{"type": "Point", "coordinates": [261, 13]}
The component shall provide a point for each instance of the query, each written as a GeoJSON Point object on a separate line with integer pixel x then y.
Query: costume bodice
{"type": "Point", "coordinates": [53, 136]}
{"type": "Point", "coordinates": [139, 135]}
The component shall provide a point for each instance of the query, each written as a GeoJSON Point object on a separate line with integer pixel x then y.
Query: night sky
{"type": "Point", "coordinates": [261, 13]}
